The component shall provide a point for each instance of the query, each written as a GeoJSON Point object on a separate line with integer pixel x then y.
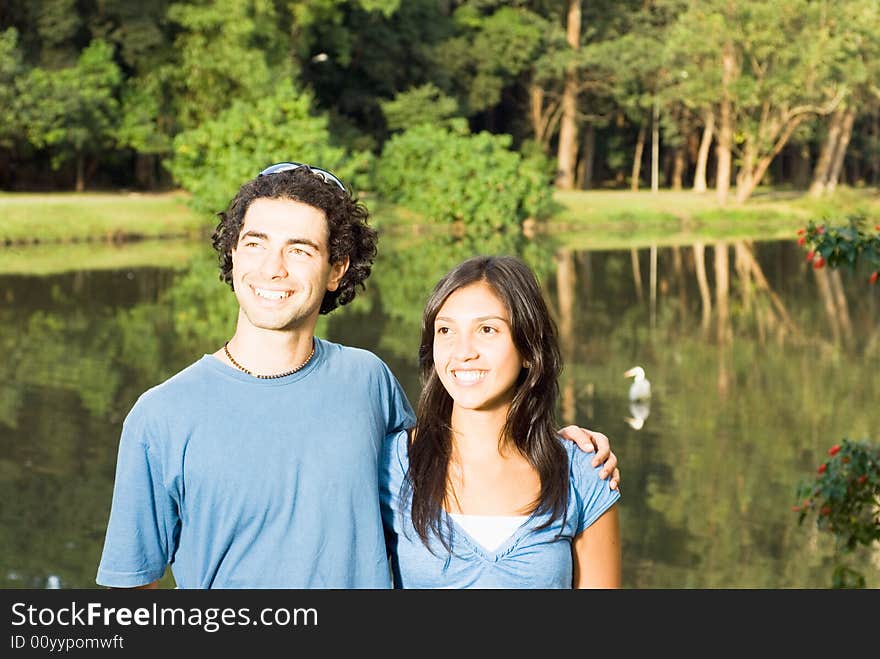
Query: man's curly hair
{"type": "Point", "coordinates": [346, 221]}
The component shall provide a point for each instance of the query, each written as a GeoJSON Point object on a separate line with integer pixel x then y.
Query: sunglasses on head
{"type": "Point", "coordinates": [326, 176]}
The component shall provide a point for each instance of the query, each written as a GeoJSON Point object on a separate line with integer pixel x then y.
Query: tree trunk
{"type": "Point", "coordinates": [725, 128]}
{"type": "Point", "coordinates": [566, 157]}
{"type": "Point", "coordinates": [80, 172]}
{"type": "Point", "coordinates": [585, 162]}
{"type": "Point", "coordinates": [840, 150]}
{"type": "Point", "coordinates": [752, 178]}
{"type": "Point", "coordinates": [637, 160]}
{"type": "Point", "coordinates": [800, 170]}
{"type": "Point", "coordinates": [829, 146]}
{"type": "Point", "coordinates": [703, 153]}
{"type": "Point", "coordinates": [655, 146]}
{"type": "Point", "coordinates": [678, 168]}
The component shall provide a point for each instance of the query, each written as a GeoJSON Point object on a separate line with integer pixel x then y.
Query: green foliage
{"type": "Point", "coordinates": [452, 177]}
{"type": "Point", "coordinates": [141, 126]}
{"type": "Point", "coordinates": [844, 500]}
{"type": "Point", "coordinates": [226, 50]}
{"type": "Point", "coordinates": [72, 110]}
{"type": "Point", "coordinates": [489, 52]}
{"type": "Point", "coordinates": [842, 245]}
{"type": "Point", "coordinates": [10, 68]}
{"type": "Point", "coordinates": [423, 104]}
{"type": "Point", "coordinates": [213, 160]}
{"type": "Point", "coordinates": [203, 309]}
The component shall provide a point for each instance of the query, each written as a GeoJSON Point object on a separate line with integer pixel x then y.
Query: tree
{"type": "Point", "coordinates": [73, 111]}
{"type": "Point", "coordinates": [213, 160]}
{"type": "Point", "coordinates": [854, 26]}
{"type": "Point", "coordinates": [227, 50]}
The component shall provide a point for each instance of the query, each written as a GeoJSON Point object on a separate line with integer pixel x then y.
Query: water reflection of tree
{"type": "Point", "coordinates": [75, 363]}
{"type": "Point", "coordinates": [732, 454]}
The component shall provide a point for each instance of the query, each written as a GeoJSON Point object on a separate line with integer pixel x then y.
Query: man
{"type": "Point", "coordinates": [257, 466]}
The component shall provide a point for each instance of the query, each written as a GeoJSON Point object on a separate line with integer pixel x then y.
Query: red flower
{"type": "Point", "coordinates": [844, 459]}
{"type": "Point", "coordinates": [862, 479]}
{"type": "Point", "coordinates": [810, 255]}
{"type": "Point", "coordinates": [873, 277]}
{"type": "Point", "coordinates": [801, 231]}
{"type": "Point", "coordinates": [802, 240]}
{"type": "Point", "coordinates": [834, 450]}
{"type": "Point", "coordinates": [821, 229]}
{"type": "Point", "coordinates": [822, 468]}
{"type": "Point", "coordinates": [819, 263]}
{"type": "Point", "coordinates": [826, 510]}
{"type": "Point", "coordinates": [795, 509]}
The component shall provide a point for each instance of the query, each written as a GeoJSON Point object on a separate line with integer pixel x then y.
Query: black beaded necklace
{"type": "Point", "coordinates": [268, 377]}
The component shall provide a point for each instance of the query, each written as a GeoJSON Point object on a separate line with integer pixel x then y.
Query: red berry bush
{"type": "Point", "coordinates": [844, 499]}
{"type": "Point", "coordinates": [846, 244]}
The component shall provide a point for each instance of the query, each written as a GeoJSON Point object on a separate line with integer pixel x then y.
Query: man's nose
{"type": "Point", "coordinates": [273, 264]}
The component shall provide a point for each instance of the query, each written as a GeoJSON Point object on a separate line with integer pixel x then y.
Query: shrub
{"type": "Point", "coordinates": [844, 499]}
{"type": "Point", "coordinates": [450, 176]}
{"type": "Point", "coordinates": [213, 160]}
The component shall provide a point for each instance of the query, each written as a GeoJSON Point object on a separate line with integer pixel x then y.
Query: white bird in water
{"type": "Point", "coordinates": [640, 389]}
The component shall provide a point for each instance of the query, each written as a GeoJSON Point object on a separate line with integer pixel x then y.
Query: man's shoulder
{"type": "Point", "coordinates": [177, 386]}
{"type": "Point", "coordinates": [351, 354]}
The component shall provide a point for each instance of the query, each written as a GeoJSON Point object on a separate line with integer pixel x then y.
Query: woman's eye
{"type": "Point", "coordinates": [486, 329]}
{"type": "Point", "coordinates": [442, 330]}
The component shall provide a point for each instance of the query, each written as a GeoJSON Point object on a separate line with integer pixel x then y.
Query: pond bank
{"type": "Point", "coordinates": [590, 218]}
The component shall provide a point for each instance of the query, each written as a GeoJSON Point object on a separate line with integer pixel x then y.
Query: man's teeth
{"type": "Point", "coordinates": [469, 376]}
{"type": "Point", "coordinates": [271, 295]}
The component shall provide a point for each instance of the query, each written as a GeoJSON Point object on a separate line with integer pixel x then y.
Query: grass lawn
{"type": "Point", "coordinates": [27, 218]}
{"type": "Point", "coordinates": [589, 219]}
{"type": "Point", "coordinates": [622, 219]}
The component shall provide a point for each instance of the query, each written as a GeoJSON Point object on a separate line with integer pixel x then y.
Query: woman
{"type": "Point", "coordinates": [483, 493]}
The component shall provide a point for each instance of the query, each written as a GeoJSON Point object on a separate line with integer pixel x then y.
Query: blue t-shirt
{"type": "Point", "coordinates": [529, 558]}
{"type": "Point", "coordinates": [240, 482]}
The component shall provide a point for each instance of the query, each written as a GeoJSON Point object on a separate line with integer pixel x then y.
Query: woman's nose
{"type": "Point", "coordinates": [465, 346]}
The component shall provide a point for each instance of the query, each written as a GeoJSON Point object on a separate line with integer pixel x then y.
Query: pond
{"type": "Point", "coordinates": [758, 364]}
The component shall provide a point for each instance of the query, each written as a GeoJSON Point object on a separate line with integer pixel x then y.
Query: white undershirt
{"type": "Point", "coordinates": [489, 530]}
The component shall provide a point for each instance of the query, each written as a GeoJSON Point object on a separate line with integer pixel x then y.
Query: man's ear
{"type": "Point", "coordinates": [337, 272]}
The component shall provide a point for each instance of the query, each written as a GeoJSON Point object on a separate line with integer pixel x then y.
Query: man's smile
{"type": "Point", "coordinates": [271, 294]}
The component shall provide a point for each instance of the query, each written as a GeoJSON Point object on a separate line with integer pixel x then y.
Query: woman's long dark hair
{"type": "Point", "coordinates": [531, 421]}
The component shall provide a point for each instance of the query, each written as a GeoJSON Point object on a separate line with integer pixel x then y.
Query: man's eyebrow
{"type": "Point", "coordinates": [289, 241]}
